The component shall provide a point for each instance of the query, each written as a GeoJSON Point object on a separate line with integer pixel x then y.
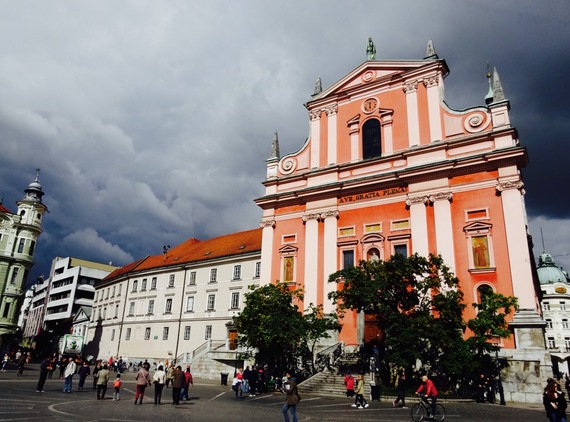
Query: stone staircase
{"type": "Point", "coordinates": [329, 383]}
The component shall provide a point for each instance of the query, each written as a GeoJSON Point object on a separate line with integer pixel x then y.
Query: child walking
{"type": "Point", "coordinates": [361, 401]}
{"type": "Point", "coordinates": [117, 388]}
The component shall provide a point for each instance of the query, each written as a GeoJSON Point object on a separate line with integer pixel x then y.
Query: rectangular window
{"type": "Point", "coordinates": [187, 332]}
{"type": "Point", "coordinates": [551, 343]}
{"type": "Point", "coordinates": [143, 284]}
{"type": "Point", "coordinates": [565, 323]}
{"type": "Point", "coordinates": [150, 309]}
{"type": "Point", "coordinates": [213, 275]}
{"type": "Point", "coordinates": [6, 312]}
{"type": "Point", "coordinates": [113, 334]}
{"type": "Point", "coordinates": [135, 285]}
{"type": "Point", "coordinates": [106, 293]}
{"type": "Point", "coordinates": [562, 306]}
{"type": "Point", "coordinates": [96, 296]}
{"type": "Point", "coordinates": [32, 247]}
{"type": "Point", "coordinates": [153, 283]}
{"type": "Point", "coordinates": [235, 300]}
{"type": "Point", "coordinates": [128, 334]}
{"type": "Point", "coordinates": [211, 302]}
{"type": "Point", "coordinates": [165, 333]}
{"type": "Point", "coordinates": [171, 280]}
{"type": "Point", "coordinates": [147, 333]}
{"type": "Point", "coordinates": [401, 249]}
{"type": "Point", "coordinates": [257, 269]}
{"type": "Point", "coordinates": [237, 272]}
{"type": "Point", "coordinates": [548, 323]}
{"type": "Point", "coordinates": [116, 311]}
{"type": "Point", "coordinates": [14, 275]}
{"type": "Point", "coordinates": [567, 343]}
{"type": "Point", "coordinates": [190, 304]}
{"type": "Point", "coordinates": [545, 306]}
{"type": "Point", "coordinates": [114, 290]}
{"type": "Point", "coordinates": [105, 312]}
{"type": "Point", "coordinates": [347, 259]}
{"type": "Point", "coordinates": [192, 280]}
{"type": "Point", "coordinates": [119, 290]}
{"type": "Point", "coordinates": [131, 308]}
{"type": "Point", "coordinates": [208, 335]}
{"type": "Point", "coordinates": [168, 307]}
{"type": "Point", "coordinates": [21, 245]}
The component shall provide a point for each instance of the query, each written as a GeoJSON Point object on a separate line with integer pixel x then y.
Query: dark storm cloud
{"type": "Point", "coordinates": [152, 121]}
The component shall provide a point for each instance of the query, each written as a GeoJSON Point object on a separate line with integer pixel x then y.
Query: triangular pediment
{"type": "Point", "coordinates": [83, 314]}
{"type": "Point", "coordinates": [374, 72]}
{"type": "Point", "coordinates": [477, 226]}
{"type": "Point", "coordinates": [288, 249]}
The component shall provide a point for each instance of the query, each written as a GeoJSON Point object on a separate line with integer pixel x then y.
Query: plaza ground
{"type": "Point", "coordinates": [210, 401]}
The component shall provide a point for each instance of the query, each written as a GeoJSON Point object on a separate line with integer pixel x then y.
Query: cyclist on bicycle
{"type": "Point", "coordinates": [430, 392]}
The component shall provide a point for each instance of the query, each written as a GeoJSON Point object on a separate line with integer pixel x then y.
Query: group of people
{"type": "Point", "coordinates": [69, 366]}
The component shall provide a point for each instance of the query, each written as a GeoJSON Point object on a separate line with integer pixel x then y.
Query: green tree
{"type": "Point", "coordinates": [418, 306]}
{"type": "Point", "coordinates": [271, 325]}
{"type": "Point", "coordinates": [490, 322]}
{"type": "Point", "coordinates": [318, 325]}
{"type": "Point", "coordinates": [282, 335]}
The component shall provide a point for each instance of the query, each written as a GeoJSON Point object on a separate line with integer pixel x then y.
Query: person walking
{"type": "Point", "coordinates": [158, 379]}
{"type": "Point", "coordinates": [430, 392]}
{"type": "Point", "coordinates": [5, 362]}
{"type": "Point", "coordinates": [96, 369]}
{"type": "Point", "coordinates": [142, 380]}
{"type": "Point", "coordinates": [361, 402]}
{"type": "Point", "coordinates": [349, 385]}
{"type": "Point", "coordinates": [237, 383]}
{"type": "Point", "coordinates": [117, 387]}
{"type": "Point", "coordinates": [45, 367]}
{"type": "Point", "coordinates": [102, 379]}
{"type": "Point", "coordinates": [68, 373]}
{"type": "Point", "coordinates": [84, 371]}
{"type": "Point", "coordinates": [188, 381]}
{"type": "Point", "coordinates": [292, 398]}
{"type": "Point", "coordinates": [21, 364]}
{"type": "Point", "coordinates": [401, 389]}
{"type": "Point", "coordinates": [178, 379]}
{"type": "Point", "coordinates": [554, 402]}
{"type": "Point", "coordinates": [169, 375]}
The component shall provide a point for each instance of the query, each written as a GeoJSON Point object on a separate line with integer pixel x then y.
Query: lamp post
{"type": "Point", "coordinates": [499, 381]}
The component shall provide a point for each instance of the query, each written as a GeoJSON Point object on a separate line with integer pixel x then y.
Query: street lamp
{"type": "Point", "coordinates": [499, 381]}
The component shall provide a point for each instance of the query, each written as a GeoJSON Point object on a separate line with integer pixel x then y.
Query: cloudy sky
{"type": "Point", "coordinates": [151, 120]}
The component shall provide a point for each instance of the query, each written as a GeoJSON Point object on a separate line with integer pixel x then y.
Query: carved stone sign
{"type": "Point", "coordinates": [372, 195]}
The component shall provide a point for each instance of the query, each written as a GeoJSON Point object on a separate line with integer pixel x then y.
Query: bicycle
{"type": "Point", "coordinates": [421, 411]}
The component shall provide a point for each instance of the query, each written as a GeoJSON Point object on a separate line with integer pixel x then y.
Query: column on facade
{"type": "Point", "coordinates": [387, 135]}
{"type": "Point", "coordinates": [519, 257]}
{"type": "Point", "coordinates": [432, 86]}
{"type": "Point", "coordinates": [331, 112]}
{"type": "Point", "coordinates": [418, 224]}
{"type": "Point", "coordinates": [311, 257]}
{"type": "Point", "coordinates": [266, 250]}
{"type": "Point", "coordinates": [330, 256]}
{"type": "Point", "coordinates": [411, 90]}
{"type": "Point", "coordinates": [443, 227]}
{"type": "Point", "coordinates": [315, 128]}
{"type": "Point", "coordinates": [353, 132]}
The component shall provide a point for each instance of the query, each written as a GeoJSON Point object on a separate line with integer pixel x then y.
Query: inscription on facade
{"type": "Point", "coordinates": [372, 195]}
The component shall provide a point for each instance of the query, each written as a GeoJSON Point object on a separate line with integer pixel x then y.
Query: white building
{"type": "Point", "coordinates": [555, 287]}
{"type": "Point", "coordinates": [178, 304]}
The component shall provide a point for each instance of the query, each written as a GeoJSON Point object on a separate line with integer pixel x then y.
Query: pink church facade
{"type": "Point", "coordinates": [389, 168]}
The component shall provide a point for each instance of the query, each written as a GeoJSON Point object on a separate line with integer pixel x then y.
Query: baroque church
{"type": "Point", "coordinates": [388, 167]}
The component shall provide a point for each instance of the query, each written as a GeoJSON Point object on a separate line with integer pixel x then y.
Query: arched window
{"type": "Point", "coordinates": [371, 146]}
{"type": "Point", "coordinates": [482, 291]}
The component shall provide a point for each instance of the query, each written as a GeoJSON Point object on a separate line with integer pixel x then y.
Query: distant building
{"type": "Point", "coordinates": [58, 300]}
{"type": "Point", "coordinates": [178, 304]}
{"type": "Point", "coordinates": [555, 287]}
{"type": "Point", "coordinates": [19, 233]}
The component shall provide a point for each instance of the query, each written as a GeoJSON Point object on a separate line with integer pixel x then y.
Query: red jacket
{"type": "Point", "coordinates": [431, 391]}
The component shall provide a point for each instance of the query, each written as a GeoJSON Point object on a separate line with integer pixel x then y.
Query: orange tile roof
{"type": "Point", "coordinates": [194, 250]}
{"type": "Point", "coordinates": [4, 209]}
